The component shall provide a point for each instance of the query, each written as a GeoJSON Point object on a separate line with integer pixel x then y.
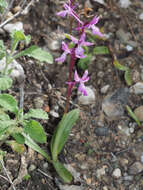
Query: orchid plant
{"type": "Point", "coordinates": [77, 51]}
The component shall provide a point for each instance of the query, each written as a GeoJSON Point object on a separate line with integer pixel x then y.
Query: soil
{"type": "Point", "coordinates": [94, 156]}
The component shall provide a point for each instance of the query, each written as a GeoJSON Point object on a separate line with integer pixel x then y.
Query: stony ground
{"type": "Point", "coordinates": [105, 147]}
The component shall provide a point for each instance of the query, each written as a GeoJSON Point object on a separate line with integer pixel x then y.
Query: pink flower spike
{"type": "Point", "coordinates": [81, 81]}
{"type": "Point", "coordinates": [96, 31]}
{"type": "Point", "coordinates": [62, 58]}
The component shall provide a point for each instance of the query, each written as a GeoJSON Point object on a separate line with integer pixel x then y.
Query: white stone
{"type": "Point", "coordinates": [141, 16]}
{"type": "Point", "coordinates": [54, 114]}
{"type": "Point", "coordinates": [117, 173]}
{"type": "Point", "coordinates": [17, 69]}
{"type": "Point", "coordinates": [125, 3]}
{"type": "Point", "coordinates": [105, 88]}
{"type": "Point", "coordinates": [101, 171]}
{"type": "Point", "coordinates": [137, 88]}
{"type": "Point", "coordinates": [13, 26]}
{"type": "Point", "coordinates": [129, 48]}
{"type": "Point", "coordinates": [86, 100]}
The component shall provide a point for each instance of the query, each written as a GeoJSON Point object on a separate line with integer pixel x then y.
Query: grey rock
{"type": "Point", "coordinates": [136, 168]}
{"type": "Point", "coordinates": [124, 3]}
{"type": "Point", "coordinates": [137, 88]}
{"type": "Point", "coordinates": [102, 131]}
{"type": "Point", "coordinates": [128, 178]}
{"type": "Point", "coordinates": [132, 43]}
{"type": "Point", "coordinates": [17, 69]}
{"type": "Point", "coordinates": [113, 104]}
{"type": "Point", "coordinates": [124, 130]}
{"type": "Point", "coordinates": [100, 1]}
{"type": "Point", "coordinates": [101, 171]}
{"type": "Point", "coordinates": [123, 36]}
{"type": "Point", "coordinates": [139, 113]}
{"type": "Point", "coordinates": [86, 100]}
{"type": "Point", "coordinates": [13, 26]}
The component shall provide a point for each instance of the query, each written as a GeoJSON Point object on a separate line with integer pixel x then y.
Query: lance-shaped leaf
{"type": "Point", "coordinates": [101, 50]}
{"type": "Point", "coordinates": [2, 50]}
{"type": "Point", "coordinates": [119, 66]}
{"type": "Point", "coordinates": [63, 172]}
{"type": "Point", "coordinates": [35, 130]}
{"type": "Point", "coordinates": [29, 142]}
{"type": "Point", "coordinates": [133, 116]}
{"type": "Point", "coordinates": [9, 103]}
{"type": "Point", "coordinates": [36, 53]}
{"type": "Point", "coordinates": [62, 132]}
{"type": "Point", "coordinates": [127, 77]}
{"type": "Point", "coordinates": [36, 113]}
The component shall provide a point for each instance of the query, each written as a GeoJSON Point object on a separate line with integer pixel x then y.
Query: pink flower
{"type": "Point", "coordinates": [81, 81]}
{"type": "Point", "coordinates": [69, 11]}
{"type": "Point", "coordinates": [79, 51]}
{"type": "Point", "coordinates": [91, 25]}
{"type": "Point", "coordinates": [67, 50]}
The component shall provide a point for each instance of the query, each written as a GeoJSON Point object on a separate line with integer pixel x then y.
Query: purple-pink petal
{"type": "Point", "coordinates": [65, 47]}
{"type": "Point", "coordinates": [82, 89]}
{"type": "Point", "coordinates": [73, 39]}
{"type": "Point", "coordinates": [85, 77]}
{"type": "Point", "coordinates": [62, 13]}
{"type": "Point", "coordinates": [94, 20]}
{"type": "Point", "coordinates": [79, 52]}
{"type": "Point", "coordinates": [96, 31]}
{"type": "Point", "coordinates": [62, 58]}
{"type": "Point", "coordinates": [76, 77]}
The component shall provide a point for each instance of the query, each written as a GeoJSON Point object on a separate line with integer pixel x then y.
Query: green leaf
{"type": "Point", "coordinates": [9, 103]}
{"type": "Point", "coordinates": [133, 116]}
{"type": "Point", "coordinates": [3, 5]}
{"type": "Point", "coordinates": [62, 132]}
{"type": "Point", "coordinates": [19, 138]}
{"type": "Point", "coordinates": [16, 147]}
{"type": "Point", "coordinates": [63, 172]}
{"type": "Point", "coordinates": [37, 53]}
{"type": "Point", "coordinates": [5, 83]}
{"type": "Point", "coordinates": [4, 116]}
{"type": "Point", "coordinates": [119, 66]}
{"type": "Point", "coordinates": [4, 126]}
{"type": "Point", "coordinates": [18, 35]}
{"type": "Point", "coordinates": [29, 142]}
{"type": "Point", "coordinates": [101, 50]}
{"type": "Point", "coordinates": [83, 63]}
{"type": "Point", "coordinates": [2, 50]}
{"type": "Point", "coordinates": [36, 113]}
{"type": "Point", "coordinates": [35, 130]}
{"type": "Point", "coordinates": [128, 78]}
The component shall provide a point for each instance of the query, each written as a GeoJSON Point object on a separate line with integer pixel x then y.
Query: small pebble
{"type": "Point", "coordinates": [141, 16]}
{"type": "Point", "coordinates": [129, 48]}
{"type": "Point", "coordinates": [86, 100]}
{"type": "Point", "coordinates": [101, 131]}
{"type": "Point", "coordinates": [137, 88]}
{"type": "Point", "coordinates": [136, 168]}
{"type": "Point", "coordinates": [104, 89]}
{"type": "Point", "coordinates": [32, 167]}
{"type": "Point", "coordinates": [117, 173]}
{"type": "Point", "coordinates": [54, 114]}
{"type": "Point", "coordinates": [125, 3]}
{"type": "Point", "coordinates": [139, 113]}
